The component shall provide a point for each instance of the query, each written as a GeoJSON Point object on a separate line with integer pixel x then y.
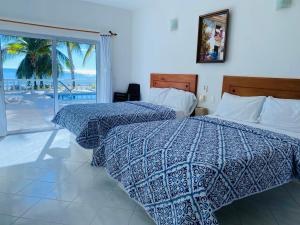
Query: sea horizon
{"type": "Point", "coordinates": [10, 73]}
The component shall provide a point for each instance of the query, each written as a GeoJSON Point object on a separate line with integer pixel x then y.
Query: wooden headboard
{"type": "Point", "coordinates": [262, 86]}
{"type": "Point", "coordinates": [186, 82]}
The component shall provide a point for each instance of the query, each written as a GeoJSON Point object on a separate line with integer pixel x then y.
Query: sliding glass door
{"type": "Point", "coordinates": [28, 81]}
{"type": "Point", "coordinates": [77, 77]}
{"type": "Point", "coordinates": [3, 130]}
{"type": "Point", "coordinates": [38, 76]}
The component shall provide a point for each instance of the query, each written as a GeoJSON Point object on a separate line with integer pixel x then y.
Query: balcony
{"type": "Point", "coordinates": [30, 103]}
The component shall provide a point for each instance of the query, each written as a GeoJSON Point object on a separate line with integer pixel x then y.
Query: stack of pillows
{"type": "Point", "coordinates": [282, 114]}
{"type": "Point", "coordinates": [178, 100]}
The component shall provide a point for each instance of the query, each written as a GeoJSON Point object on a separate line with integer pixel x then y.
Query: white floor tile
{"type": "Point", "coordinates": [139, 209]}
{"type": "Point", "coordinates": [95, 199]}
{"type": "Point", "coordinates": [112, 216]}
{"type": "Point", "coordinates": [72, 152]}
{"type": "Point", "coordinates": [250, 213]}
{"type": "Point", "coordinates": [23, 148]}
{"type": "Point", "coordinates": [79, 214]}
{"type": "Point", "coordinates": [54, 175]}
{"type": "Point", "coordinates": [294, 190]}
{"type": "Point", "coordinates": [140, 218]}
{"type": "Point", "coordinates": [12, 185]}
{"type": "Point", "coordinates": [22, 221]}
{"type": "Point", "coordinates": [228, 216]}
{"type": "Point", "coordinates": [287, 216]}
{"type": "Point", "coordinates": [58, 164]}
{"type": "Point", "coordinates": [92, 178]}
{"type": "Point", "coordinates": [66, 191]}
{"type": "Point", "coordinates": [25, 171]}
{"type": "Point", "coordinates": [46, 210]}
{"type": "Point", "coordinates": [39, 189]}
{"type": "Point", "coordinates": [278, 199]}
{"type": "Point", "coordinates": [15, 205]}
{"type": "Point", "coordinates": [7, 220]}
{"type": "Point", "coordinates": [120, 199]}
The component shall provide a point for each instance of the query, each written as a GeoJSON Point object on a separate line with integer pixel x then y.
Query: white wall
{"type": "Point", "coordinates": [79, 15]}
{"type": "Point", "coordinates": [262, 41]}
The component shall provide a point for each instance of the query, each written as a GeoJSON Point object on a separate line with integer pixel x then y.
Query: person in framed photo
{"type": "Point", "coordinates": [212, 37]}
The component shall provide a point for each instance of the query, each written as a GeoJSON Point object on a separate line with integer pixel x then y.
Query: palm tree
{"type": "Point", "coordinates": [37, 61]}
{"type": "Point", "coordinates": [88, 53]}
{"type": "Point", "coordinates": [73, 47]}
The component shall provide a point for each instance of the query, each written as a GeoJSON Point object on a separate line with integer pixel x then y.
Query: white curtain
{"type": "Point", "coordinates": [105, 79]}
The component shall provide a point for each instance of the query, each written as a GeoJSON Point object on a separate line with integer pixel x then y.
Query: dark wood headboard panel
{"type": "Point", "coordinates": [262, 86]}
{"type": "Point", "coordinates": [186, 82]}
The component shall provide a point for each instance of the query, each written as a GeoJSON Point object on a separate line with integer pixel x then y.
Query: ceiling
{"type": "Point", "coordinates": [125, 4]}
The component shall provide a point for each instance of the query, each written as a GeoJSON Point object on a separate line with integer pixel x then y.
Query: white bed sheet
{"type": "Point", "coordinates": [257, 125]}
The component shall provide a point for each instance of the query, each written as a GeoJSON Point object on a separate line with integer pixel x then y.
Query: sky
{"type": "Point", "coordinates": [88, 68]}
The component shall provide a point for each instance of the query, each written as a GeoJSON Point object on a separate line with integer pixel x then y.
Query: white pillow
{"type": "Point", "coordinates": [181, 101]}
{"type": "Point", "coordinates": [157, 95]}
{"type": "Point", "coordinates": [239, 108]}
{"type": "Point", "coordinates": [282, 114]}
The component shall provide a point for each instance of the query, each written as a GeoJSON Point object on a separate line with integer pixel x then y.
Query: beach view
{"type": "Point", "coordinates": [28, 80]}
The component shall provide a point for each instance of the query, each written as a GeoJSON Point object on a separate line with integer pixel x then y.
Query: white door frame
{"type": "Point", "coordinates": [3, 123]}
{"type": "Point", "coordinates": [55, 75]}
{"type": "Point", "coordinates": [98, 80]}
{"type": "Point", "coordinates": [54, 39]}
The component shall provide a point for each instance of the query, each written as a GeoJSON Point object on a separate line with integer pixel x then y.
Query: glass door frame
{"type": "Point", "coordinates": [3, 122]}
{"type": "Point", "coordinates": [54, 39]}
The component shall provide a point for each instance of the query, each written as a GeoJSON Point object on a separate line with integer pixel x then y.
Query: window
{"type": "Point", "coordinates": [36, 84]}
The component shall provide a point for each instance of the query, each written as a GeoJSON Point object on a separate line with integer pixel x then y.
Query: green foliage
{"type": "Point", "coordinates": [37, 56]}
{"type": "Point", "coordinates": [73, 47]}
{"type": "Point", "coordinates": [88, 53]}
{"type": "Point", "coordinates": [37, 53]}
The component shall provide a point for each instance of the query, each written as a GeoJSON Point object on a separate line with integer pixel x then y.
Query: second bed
{"type": "Point", "coordinates": [90, 123]}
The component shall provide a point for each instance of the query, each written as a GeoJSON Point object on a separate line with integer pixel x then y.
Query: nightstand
{"type": "Point", "coordinates": [200, 111]}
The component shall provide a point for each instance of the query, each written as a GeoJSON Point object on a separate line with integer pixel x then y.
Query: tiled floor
{"type": "Point", "coordinates": [21, 106]}
{"type": "Point", "coordinates": [46, 179]}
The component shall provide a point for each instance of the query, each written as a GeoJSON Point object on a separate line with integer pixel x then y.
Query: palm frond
{"type": "Point", "coordinates": [74, 47]}
{"type": "Point", "coordinates": [88, 53]}
{"type": "Point", "coordinates": [44, 68]}
{"type": "Point", "coordinates": [25, 69]}
{"type": "Point", "coordinates": [37, 59]}
{"type": "Point", "coordinates": [60, 69]}
{"type": "Point", "coordinates": [63, 59]}
{"type": "Point", "coordinates": [15, 48]}
{"type": "Point", "coordinates": [44, 50]}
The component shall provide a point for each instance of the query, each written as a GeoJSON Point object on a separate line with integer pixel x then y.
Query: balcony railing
{"type": "Point", "coordinates": [64, 85]}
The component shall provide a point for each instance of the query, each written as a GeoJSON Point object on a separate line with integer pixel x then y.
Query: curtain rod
{"type": "Point", "coordinates": [110, 33]}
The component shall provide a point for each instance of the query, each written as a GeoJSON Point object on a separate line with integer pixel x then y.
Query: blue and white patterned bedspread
{"type": "Point", "coordinates": [91, 122]}
{"type": "Point", "coordinates": [183, 171]}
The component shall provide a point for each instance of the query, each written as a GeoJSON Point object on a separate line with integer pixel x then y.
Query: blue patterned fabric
{"type": "Point", "coordinates": [183, 171]}
{"type": "Point", "coordinates": [91, 122]}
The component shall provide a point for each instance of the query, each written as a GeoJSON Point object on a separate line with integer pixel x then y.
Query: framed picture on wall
{"type": "Point", "coordinates": [212, 37]}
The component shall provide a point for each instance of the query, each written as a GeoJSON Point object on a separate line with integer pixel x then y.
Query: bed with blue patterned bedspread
{"type": "Point", "coordinates": [183, 171]}
{"type": "Point", "coordinates": [91, 122]}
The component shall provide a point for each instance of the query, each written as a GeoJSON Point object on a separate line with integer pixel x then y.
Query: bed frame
{"type": "Point", "coordinates": [185, 82]}
{"type": "Point", "coordinates": [285, 88]}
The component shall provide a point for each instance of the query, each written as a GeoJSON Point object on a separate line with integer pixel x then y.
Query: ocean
{"type": "Point", "coordinates": [11, 74]}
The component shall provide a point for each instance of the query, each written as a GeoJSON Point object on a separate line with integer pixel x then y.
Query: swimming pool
{"type": "Point", "coordinates": [75, 96]}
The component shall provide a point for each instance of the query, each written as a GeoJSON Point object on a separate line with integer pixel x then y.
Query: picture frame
{"type": "Point", "coordinates": [213, 37]}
